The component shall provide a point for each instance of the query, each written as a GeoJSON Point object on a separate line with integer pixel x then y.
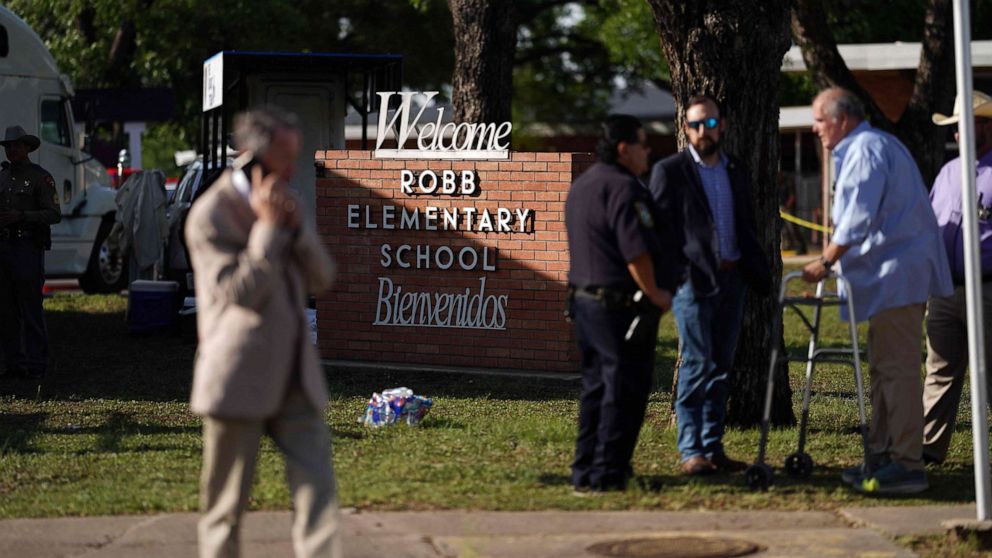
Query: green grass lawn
{"type": "Point", "coordinates": [109, 432]}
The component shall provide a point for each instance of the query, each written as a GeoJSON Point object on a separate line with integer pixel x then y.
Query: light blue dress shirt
{"type": "Point", "coordinates": [716, 184]}
{"type": "Point", "coordinates": [882, 211]}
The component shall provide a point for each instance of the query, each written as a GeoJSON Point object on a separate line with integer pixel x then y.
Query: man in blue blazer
{"type": "Point", "coordinates": [705, 194]}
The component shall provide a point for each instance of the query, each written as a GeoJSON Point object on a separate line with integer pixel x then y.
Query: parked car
{"type": "Point", "coordinates": [177, 267]}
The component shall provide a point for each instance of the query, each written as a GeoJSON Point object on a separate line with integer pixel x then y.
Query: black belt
{"type": "Point", "coordinates": [14, 234]}
{"type": "Point", "coordinates": [610, 297]}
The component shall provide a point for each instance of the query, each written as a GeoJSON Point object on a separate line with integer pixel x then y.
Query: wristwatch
{"type": "Point", "coordinates": [826, 263]}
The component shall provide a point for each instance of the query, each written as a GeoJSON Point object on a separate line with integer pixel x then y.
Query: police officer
{"type": "Point", "coordinates": [28, 205]}
{"type": "Point", "coordinates": [616, 249]}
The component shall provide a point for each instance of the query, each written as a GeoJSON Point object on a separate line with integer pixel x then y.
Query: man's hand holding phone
{"type": "Point", "coordinates": [273, 201]}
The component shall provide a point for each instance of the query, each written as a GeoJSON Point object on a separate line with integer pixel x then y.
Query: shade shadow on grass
{"type": "Point", "coordinates": [16, 431]}
{"type": "Point", "coordinates": [93, 356]}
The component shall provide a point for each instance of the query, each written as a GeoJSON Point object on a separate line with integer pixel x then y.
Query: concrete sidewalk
{"type": "Point", "coordinates": [851, 532]}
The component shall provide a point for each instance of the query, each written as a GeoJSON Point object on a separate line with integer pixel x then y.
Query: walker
{"type": "Point", "coordinates": [799, 464]}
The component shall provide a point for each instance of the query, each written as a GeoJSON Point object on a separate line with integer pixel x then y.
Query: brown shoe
{"type": "Point", "coordinates": [697, 465]}
{"type": "Point", "coordinates": [725, 464]}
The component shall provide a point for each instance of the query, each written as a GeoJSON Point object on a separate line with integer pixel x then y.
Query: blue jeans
{"type": "Point", "coordinates": [708, 330]}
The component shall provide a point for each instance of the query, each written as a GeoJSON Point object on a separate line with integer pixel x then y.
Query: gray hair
{"type": "Point", "coordinates": [837, 101]}
{"type": "Point", "coordinates": [255, 129]}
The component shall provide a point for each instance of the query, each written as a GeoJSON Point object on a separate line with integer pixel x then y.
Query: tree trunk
{"type": "Point", "coordinates": [485, 42]}
{"type": "Point", "coordinates": [733, 52]}
{"type": "Point", "coordinates": [933, 89]}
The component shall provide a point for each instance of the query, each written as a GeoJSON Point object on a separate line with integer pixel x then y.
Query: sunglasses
{"type": "Point", "coordinates": [708, 123]}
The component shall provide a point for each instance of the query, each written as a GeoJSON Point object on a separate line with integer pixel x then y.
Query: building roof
{"type": "Point", "coordinates": [885, 56]}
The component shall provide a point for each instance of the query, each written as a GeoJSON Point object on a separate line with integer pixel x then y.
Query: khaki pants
{"type": "Point", "coordinates": [896, 427]}
{"type": "Point", "coordinates": [230, 450]}
{"type": "Point", "coordinates": [947, 358]}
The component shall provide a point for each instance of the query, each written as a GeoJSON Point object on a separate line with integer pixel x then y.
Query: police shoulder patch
{"type": "Point", "coordinates": [49, 180]}
{"type": "Point", "coordinates": [644, 214]}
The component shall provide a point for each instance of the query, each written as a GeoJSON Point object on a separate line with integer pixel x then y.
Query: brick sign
{"type": "Point", "coordinates": [447, 262]}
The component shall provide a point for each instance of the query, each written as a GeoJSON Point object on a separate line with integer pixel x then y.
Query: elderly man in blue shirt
{"type": "Point", "coordinates": [887, 245]}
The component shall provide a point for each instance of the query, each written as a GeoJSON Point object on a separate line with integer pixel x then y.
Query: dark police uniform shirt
{"type": "Point", "coordinates": [30, 189]}
{"type": "Point", "coordinates": [611, 220]}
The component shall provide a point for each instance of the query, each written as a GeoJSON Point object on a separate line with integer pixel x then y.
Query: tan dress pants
{"type": "Point", "coordinates": [230, 450]}
{"type": "Point", "coordinates": [947, 359]}
{"type": "Point", "coordinates": [896, 429]}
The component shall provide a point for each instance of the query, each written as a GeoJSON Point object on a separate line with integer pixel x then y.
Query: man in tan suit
{"type": "Point", "coordinates": [256, 372]}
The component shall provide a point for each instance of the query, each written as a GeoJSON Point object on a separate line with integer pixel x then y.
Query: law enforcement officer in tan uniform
{"type": "Point", "coordinates": [28, 206]}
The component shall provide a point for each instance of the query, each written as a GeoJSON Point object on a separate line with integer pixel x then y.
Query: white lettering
{"type": "Point", "coordinates": [485, 221]}
{"type": "Point", "coordinates": [469, 216]}
{"type": "Point", "coordinates": [425, 134]}
{"type": "Point", "coordinates": [522, 215]}
{"type": "Point", "coordinates": [423, 256]}
{"type": "Point", "coordinates": [386, 260]}
{"type": "Point", "coordinates": [448, 180]}
{"type": "Point", "coordinates": [468, 182]}
{"type": "Point", "coordinates": [433, 182]}
{"type": "Point", "coordinates": [504, 219]}
{"type": "Point", "coordinates": [451, 219]}
{"type": "Point", "coordinates": [388, 215]}
{"type": "Point", "coordinates": [399, 256]}
{"type": "Point", "coordinates": [437, 257]}
{"type": "Point", "coordinates": [410, 220]}
{"type": "Point", "coordinates": [402, 113]}
{"type": "Point", "coordinates": [461, 258]}
{"type": "Point", "coordinates": [502, 132]}
{"type": "Point", "coordinates": [443, 131]}
{"type": "Point", "coordinates": [353, 216]}
{"type": "Point", "coordinates": [384, 304]}
{"type": "Point", "coordinates": [368, 218]}
{"type": "Point", "coordinates": [407, 178]}
{"type": "Point", "coordinates": [430, 218]}
{"type": "Point", "coordinates": [486, 266]}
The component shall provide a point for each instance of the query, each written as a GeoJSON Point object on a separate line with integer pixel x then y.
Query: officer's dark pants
{"type": "Point", "coordinates": [23, 336]}
{"type": "Point", "coordinates": [616, 381]}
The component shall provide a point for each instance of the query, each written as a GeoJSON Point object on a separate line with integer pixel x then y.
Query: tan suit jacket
{"type": "Point", "coordinates": [252, 281]}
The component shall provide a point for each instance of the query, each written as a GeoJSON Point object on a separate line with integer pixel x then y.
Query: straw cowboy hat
{"type": "Point", "coordinates": [981, 102]}
{"type": "Point", "coordinates": [16, 133]}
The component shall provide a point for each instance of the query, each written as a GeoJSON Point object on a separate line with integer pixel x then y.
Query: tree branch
{"type": "Point", "coordinates": [812, 33]}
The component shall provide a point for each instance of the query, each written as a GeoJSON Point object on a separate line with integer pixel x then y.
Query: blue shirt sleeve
{"type": "Point", "coordinates": [860, 189]}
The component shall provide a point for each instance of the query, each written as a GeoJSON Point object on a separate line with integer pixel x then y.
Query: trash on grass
{"type": "Point", "coordinates": [395, 405]}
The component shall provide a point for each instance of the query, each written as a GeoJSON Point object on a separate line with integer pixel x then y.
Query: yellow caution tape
{"type": "Point", "coordinates": [804, 223]}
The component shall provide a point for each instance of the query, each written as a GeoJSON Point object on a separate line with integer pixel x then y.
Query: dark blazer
{"type": "Point", "coordinates": [678, 192]}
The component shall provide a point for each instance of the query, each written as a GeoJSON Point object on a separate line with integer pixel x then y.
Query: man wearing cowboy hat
{"type": "Point", "coordinates": [947, 339]}
{"type": "Point", "coordinates": [28, 206]}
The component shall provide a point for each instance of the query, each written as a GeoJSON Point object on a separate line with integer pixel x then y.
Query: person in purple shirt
{"type": "Point", "coordinates": [947, 329]}
{"type": "Point", "coordinates": [886, 244]}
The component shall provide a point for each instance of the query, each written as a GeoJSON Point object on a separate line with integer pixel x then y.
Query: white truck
{"type": "Point", "coordinates": [35, 95]}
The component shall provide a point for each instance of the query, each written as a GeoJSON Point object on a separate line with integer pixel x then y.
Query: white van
{"type": "Point", "coordinates": [33, 94]}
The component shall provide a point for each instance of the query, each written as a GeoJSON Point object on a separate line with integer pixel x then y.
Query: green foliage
{"type": "Point", "coordinates": [796, 89]}
{"type": "Point", "coordinates": [627, 30]}
{"type": "Point", "coordinates": [160, 143]}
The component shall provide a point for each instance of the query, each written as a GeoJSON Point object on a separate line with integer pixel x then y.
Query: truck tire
{"type": "Point", "coordinates": [107, 269]}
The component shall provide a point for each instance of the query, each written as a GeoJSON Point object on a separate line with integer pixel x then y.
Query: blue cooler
{"type": "Point", "coordinates": [152, 306]}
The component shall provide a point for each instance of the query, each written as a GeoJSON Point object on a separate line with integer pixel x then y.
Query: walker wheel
{"type": "Point", "coordinates": [759, 477]}
{"type": "Point", "coordinates": [799, 465]}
